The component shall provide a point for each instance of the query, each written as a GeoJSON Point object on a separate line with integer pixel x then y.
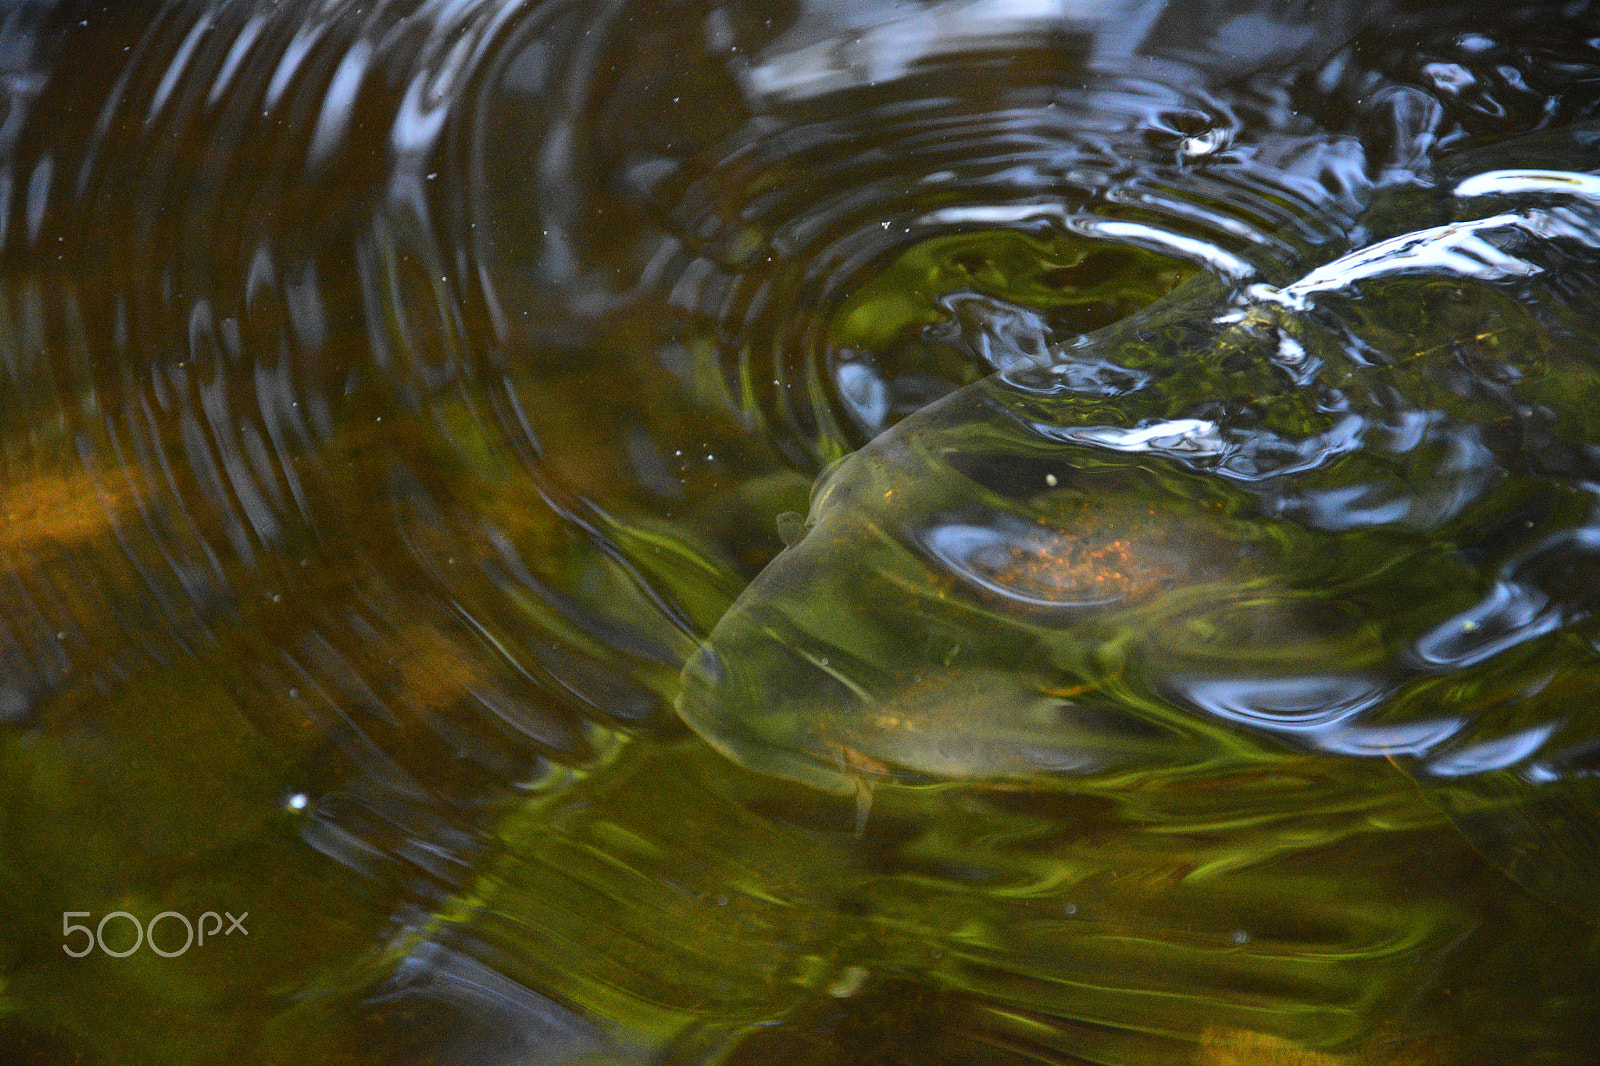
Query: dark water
{"type": "Point", "coordinates": [398, 397]}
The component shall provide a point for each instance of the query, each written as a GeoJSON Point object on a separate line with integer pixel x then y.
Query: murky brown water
{"type": "Point", "coordinates": [409, 414]}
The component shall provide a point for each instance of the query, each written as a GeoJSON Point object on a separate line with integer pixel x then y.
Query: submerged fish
{"type": "Point", "coordinates": [1351, 516]}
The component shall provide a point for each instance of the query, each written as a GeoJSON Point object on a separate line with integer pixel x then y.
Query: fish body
{"type": "Point", "coordinates": [1324, 517]}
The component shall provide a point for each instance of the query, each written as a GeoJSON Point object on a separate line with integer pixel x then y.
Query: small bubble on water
{"type": "Point", "coordinates": [1240, 937]}
{"type": "Point", "coordinates": [1071, 908]}
{"type": "Point", "coordinates": [1204, 144]}
{"type": "Point", "coordinates": [297, 801]}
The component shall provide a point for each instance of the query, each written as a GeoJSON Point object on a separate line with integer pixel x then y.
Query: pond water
{"type": "Point", "coordinates": [904, 531]}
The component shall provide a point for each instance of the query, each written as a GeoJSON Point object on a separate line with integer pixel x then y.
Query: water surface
{"type": "Point", "coordinates": [398, 396]}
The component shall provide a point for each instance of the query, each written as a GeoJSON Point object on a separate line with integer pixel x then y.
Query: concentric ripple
{"type": "Point", "coordinates": [839, 254]}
